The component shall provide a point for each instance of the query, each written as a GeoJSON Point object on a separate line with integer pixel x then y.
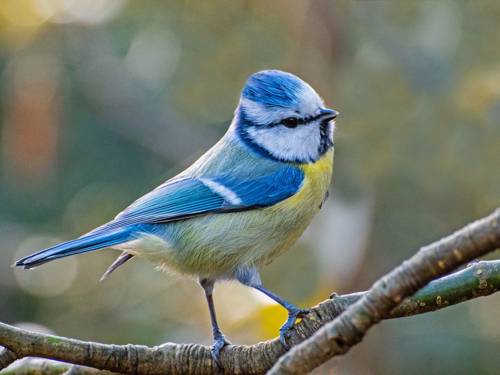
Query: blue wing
{"type": "Point", "coordinates": [183, 198]}
{"type": "Point", "coordinates": [179, 199]}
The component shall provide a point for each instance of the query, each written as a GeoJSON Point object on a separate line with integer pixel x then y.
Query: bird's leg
{"type": "Point", "coordinates": [294, 313]}
{"type": "Point", "coordinates": [219, 339]}
{"type": "Point", "coordinates": [250, 277]}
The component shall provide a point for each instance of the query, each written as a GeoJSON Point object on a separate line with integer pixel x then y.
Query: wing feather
{"type": "Point", "coordinates": [179, 199]}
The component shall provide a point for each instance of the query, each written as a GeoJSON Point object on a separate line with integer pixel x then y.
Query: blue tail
{"type": "Point", "coordinates": [93, 241]}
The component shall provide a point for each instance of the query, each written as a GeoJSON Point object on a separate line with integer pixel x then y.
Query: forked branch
{"type": "Point", "coordinates": [429, 263]}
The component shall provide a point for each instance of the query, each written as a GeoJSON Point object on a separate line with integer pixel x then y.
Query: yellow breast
{"type": "Point", "coordinates": [317, 177]}
{"type": "Point", "coordinates": [289, 219]}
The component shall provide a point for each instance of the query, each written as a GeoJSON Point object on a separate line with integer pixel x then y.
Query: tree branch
{"type": "Point", "coordinates": [479, 279]}
{"type": "Point", "coordinates": [6, 357]}
{"type": "Point", "coordinates": [35, 366]}
{"type": "Point", "coordinates": [430, 262]}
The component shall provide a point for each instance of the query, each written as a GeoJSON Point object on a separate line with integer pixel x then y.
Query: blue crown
{"type": "Point", "coordinates": [273, 88]}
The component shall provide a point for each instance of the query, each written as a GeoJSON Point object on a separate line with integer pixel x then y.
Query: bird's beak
{"type": "Point", "coordinates": [327, 114]}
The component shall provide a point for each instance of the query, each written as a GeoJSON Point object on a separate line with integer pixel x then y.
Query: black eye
{"type": "Point", "coordinates": [291, 122]}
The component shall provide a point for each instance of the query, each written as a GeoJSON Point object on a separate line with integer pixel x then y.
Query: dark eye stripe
{"type": "Point", "coordinates": [300, 120]}
{"type": "Point", "coordinates": [312, 118]}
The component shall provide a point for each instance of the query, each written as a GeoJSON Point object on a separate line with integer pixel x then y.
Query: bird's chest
{"type": "Point", "coordinates": [302, 206]}
{"type": "Point", "coordinates": [287, 220]}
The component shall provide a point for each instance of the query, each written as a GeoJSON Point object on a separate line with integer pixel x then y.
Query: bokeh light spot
{"type": "Point", "coordinates": [83, 11]}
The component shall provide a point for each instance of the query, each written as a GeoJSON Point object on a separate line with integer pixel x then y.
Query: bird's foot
{"type": "Point", "coordinates": [219, 342]}
{"type": "Point", "coordinates": [293, 315]}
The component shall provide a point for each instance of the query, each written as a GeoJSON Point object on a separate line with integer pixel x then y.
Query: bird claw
{"type": "Point", "coordinates": [293, 315]}
{"type": "Point", "coordinates": [219, 342]}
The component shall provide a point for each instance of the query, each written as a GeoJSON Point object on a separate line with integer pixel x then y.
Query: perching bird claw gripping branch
{"type": "Point", "coordinates": [437, 259]}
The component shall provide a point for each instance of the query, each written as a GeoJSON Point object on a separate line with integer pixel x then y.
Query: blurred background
{"type": "Point", "coordinates": [102, 100]}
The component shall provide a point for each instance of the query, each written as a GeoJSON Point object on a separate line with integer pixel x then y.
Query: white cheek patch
{"type": "Point", "coordinates": [300, 143]}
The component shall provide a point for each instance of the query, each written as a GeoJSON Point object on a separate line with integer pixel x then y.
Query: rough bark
{"type": "Point", "coordinates": [6, 357]}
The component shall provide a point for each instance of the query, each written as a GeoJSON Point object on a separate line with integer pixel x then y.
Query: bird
{"type": "Point", "coordinates": [239, 206]}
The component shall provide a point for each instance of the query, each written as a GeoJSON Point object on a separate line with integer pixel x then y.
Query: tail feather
{"type": "Point", "coordinates": [120, 261]}
{"type": "Point", "coordinates": [90, 242]}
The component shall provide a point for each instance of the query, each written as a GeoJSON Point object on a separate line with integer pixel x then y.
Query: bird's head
{"type": "Point", "coordinates": [282, 117]}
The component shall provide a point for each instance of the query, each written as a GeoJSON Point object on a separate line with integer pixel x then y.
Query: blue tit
{"type": "Point", "coordinates": [240, 205]}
